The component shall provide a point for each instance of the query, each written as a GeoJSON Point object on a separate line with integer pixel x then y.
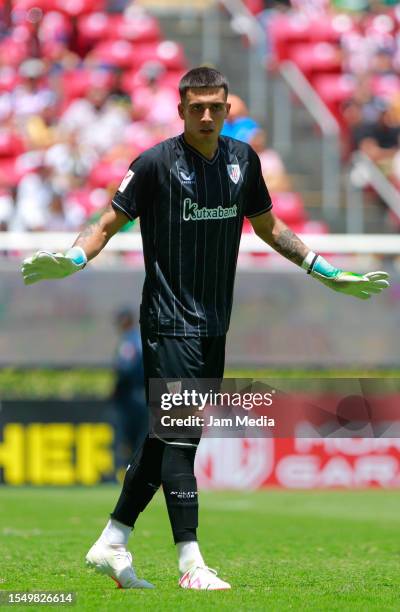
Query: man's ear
{"type": "Point", "coordinates": [228, 108]}
{"type": "Point", "coordinates": [180, 110]}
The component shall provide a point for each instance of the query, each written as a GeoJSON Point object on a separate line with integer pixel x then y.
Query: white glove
{"type": "Point", "coordinates": [45, 265]}
{"type": "Point", "coordinates": [361, 286]}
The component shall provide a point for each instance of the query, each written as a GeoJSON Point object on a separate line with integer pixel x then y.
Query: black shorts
{"type": "Point", "coordinates": [169, 357]}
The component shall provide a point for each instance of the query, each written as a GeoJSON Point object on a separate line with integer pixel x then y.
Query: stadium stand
{"type": "Point", "coordinates": [85, 86]}
{"type": "Point", "coordinates": [350, 54]}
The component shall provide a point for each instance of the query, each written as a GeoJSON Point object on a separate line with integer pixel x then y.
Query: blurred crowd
{"type": "Point", "coordinates": [349, 50]}
{"type": "Point", "coordinates": [81, 95]}
{"type": "Point", "coordinates": [86, 85]}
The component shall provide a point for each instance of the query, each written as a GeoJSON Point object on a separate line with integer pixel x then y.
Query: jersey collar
{"type": "Point", "coordinates": [193, 150]}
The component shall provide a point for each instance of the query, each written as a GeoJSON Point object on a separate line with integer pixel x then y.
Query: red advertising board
{"type": "Point", "coordinates": [298, 463]}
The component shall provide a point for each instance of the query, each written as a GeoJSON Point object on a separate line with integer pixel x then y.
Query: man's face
{"type": "Point", "coordinates": [203, 112]}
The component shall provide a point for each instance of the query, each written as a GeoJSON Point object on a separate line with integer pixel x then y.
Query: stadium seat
{"type": "Point", "coordinates": [87, 200]}
{"type": "Point", "coordinates": [289, 207]}
{"type": "Point", "coordinates": [139, 137]}
{"type": "Point", "coordinates": [106, 173]}
{"type": "Point", "coordinates": [11, 144]}
{"type": "Point", "coordinates": [9, 78]}
{"type": "Point", "coordinates": [316, 58]}
{"type": "Point", "coordinates": [120, 53]}
{"type": "Point", "coordinates": [170, 54]}
{"type": "Point", "coordinates": [310, 227]}
{"type": "Point", "coordinates": [76, 83]}
{"type": "Point", "coordinates": [55, 26]}
{"type": "Point", "coordinates": [95, 27]}
{"type": "Point", "coordinates": [334, 89]}
{"type": "Point", "coordinates": [330, 28]}
{"type": "Point", "coordinates": [140, 29]}
{"type": "Point", "coordinates": [25, 5]}
{"type": "Point", "coordinates": [74, 8]}
{"type": "Point", "coordinates": [10, 173]}
{"type": "Point", "coordinates": [12, 52]}
{"type": "Point", "coordinates": [286, 30]}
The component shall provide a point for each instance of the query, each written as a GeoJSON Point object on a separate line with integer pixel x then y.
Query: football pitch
{"type": "Point", "coordinates": [280, 550]}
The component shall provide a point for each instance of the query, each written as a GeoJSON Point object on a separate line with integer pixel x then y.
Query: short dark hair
{"type": "Point", "coordinates": [203, 76]}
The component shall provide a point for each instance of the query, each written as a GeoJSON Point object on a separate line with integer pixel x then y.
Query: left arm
{"type": "Point", "coordinates": [275, 232]}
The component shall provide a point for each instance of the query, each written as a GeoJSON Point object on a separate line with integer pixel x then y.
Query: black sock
{"type": "Point", "coordinates": [141, 482]}
{"type": "Point", "coordinates": [180, 489]}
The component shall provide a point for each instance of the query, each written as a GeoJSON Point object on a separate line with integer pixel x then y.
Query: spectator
{"type": "Point", "coordinates": [6, 209]}
{"type": "Point", "coordinates": [239, 124]}
{"type": "Point", "coordinates": [99, 122]}
{"type": "Point", "coordinates": [34, 196]}
{"type": "Point", "coordinates": [272, 166]}
{"type": "Point", "coordinates": [364, 95]}
{"type": "Point", "coordinates": [356, 127]}
{"type": "Point", "coordinates": [32, 96]}
{"type": "Point", "coordinates": [153, 102]}
{"type": "Point", "coordinates": [381, 140]}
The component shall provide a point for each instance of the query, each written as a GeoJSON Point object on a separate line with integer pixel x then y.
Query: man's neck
{"type": "Point", "coordinates": [206, 151]}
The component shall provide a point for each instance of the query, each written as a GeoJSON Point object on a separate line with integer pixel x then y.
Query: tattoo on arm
{"type": "Point", "coordinates": [87, 232]}
{"type": "Point", "coordinates": [290, 246]}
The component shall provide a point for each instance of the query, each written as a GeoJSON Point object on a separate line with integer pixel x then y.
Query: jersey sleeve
{"type": "Point", "coordinates": [258, 200]}
{"type": "Point", "coordinates": [136, 188]}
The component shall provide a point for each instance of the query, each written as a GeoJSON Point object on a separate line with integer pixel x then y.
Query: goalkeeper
{"type": "Point", "coordinates": [191, 193]}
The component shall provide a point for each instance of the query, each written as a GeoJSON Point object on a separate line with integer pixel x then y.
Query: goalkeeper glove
{"type": "Point", "coordinates": [44, 265]}
{"type": "Point", "coordinates": [361, 286]}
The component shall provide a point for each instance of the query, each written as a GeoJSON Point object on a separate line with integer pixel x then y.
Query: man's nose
{"type": "Point", "coordinates": [206, 115]}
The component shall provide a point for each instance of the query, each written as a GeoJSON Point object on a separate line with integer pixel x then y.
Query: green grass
{"type": "Point", "coordinates": [98, 383]}
{"type": "Point", "coordinates": [281, 550]}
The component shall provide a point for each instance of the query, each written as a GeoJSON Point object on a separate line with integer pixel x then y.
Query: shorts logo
{"type": "Point", "coordinates": [234, 172]}
{"type": "Point", "coordinates": [187, 179]}
{"type": "Point", "coordinates": [125, 181]}
{"type": "Point", "coordinates": [192, 212]}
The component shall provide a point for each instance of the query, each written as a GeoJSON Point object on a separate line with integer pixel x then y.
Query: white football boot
{"type": "Point", "coordinates": [116, 562]}
{"type": "Point", "coordinates": [203, 578]}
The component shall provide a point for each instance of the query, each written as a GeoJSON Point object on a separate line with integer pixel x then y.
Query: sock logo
{"type": "Point", "coordinates": [184, 494]}
{"type": "Point", "coordinates": [192, 212]}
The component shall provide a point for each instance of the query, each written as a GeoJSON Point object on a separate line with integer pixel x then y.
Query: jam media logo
{"type": "Point", "coordinates": [234, 172]}
{"type": "Point", "coordinates": [186, 178]}
{"type": "Point", "coordinates": [192, 212]}
{"type": "Point", "coordinates": [234, 463]}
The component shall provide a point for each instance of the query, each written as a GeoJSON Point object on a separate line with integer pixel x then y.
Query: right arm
{"type": "Point", "coordinates": [134, 190]}
{"type": "Point", "coordinates": [45, 265]}
{"type": "Point", "coordinates": [93, 238]}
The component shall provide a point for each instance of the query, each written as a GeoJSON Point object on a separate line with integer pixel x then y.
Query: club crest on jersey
{"type": "Point", "coordinates": [234, 172]}
{"type": "Point", "coordinates": [187, 179]}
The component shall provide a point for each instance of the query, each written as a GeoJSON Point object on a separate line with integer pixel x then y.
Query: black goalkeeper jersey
{"type": "Point", "coordinates": [191, 213]}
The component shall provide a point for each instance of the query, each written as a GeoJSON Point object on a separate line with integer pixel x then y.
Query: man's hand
{"type": "Point", "coordinates": [361, 286]}
{"type": "Point", "coordinates": [45, 265]}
